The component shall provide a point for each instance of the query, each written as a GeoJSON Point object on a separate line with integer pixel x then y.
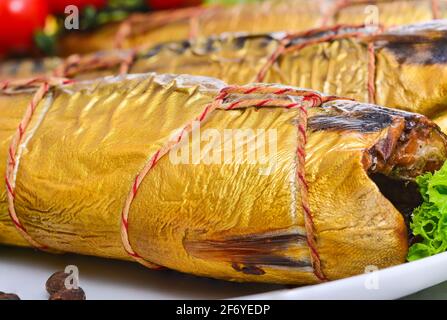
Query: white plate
{"type": "Point", "coordinates": [25, 271]}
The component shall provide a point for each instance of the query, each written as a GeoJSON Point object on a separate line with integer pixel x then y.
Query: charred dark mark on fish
{"type": "Point", "coordinates": [38, 66]}
{"type": "Point", "coordinates": [253, 270]}
{"type": "Point", "coordinates": [210, 45]}
{"type": "Point", "coordinates": [414, 33]}
{"type": "Point", "coordinates": [367, 122]}
{"type": "Point", "coordinates": [179, 47]}
{"type": "Point", "coordinates": [355, 116]}
{"type": "Point", "coordinates": [152, 51]}
{"type": "Point", "coordinates": [14, 67]}
{"type": "Point", "coordinates": [263, 40]}
{"type": "Point", "coordinates": [239, 42]}
{"type": "Point", "coordinates": [419, 44]}
{"type": "Point", "coordinates": [246, 253]}
{"type": "Point", "coordinates": [428, 53]}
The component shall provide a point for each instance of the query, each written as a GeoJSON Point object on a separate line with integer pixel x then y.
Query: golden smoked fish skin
{"type": "Point", "coordinates": [403, 68]}
{"type": "Point", "coordinates": [264, 16]}
{"type": "Point", "coordinates": [209, 207]}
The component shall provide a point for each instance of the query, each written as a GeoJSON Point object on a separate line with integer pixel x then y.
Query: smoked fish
{"type": "Point", "coordinates": [257, 183]}
{"type": "Point", "coordinates": [263, 16]}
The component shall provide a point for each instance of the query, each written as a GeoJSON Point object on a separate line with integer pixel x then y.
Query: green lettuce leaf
{"type": "Point", "coordinates": [430, 219]}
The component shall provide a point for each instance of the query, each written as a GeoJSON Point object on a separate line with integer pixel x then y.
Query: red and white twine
{"type": "Point", "coordinates": [43, 87]}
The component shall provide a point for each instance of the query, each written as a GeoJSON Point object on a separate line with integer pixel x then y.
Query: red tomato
{"type": "Point", "coordinates": [58, 6]}
{"type": "Point", "coordinates": [172, 4]}
{"type": "Point", "coordinates": [19, 20]}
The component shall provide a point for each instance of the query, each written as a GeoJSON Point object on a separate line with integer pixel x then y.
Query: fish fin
{"type": "Point", "coordinates": [249, 251]}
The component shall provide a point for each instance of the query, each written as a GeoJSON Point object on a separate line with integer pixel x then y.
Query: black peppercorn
{"type": "Point", "coordinates": [69, 294]}
{"type": "Point", "coordinates": [8, 296]}
{"type": "Point", "coordinates": [56, 282]}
